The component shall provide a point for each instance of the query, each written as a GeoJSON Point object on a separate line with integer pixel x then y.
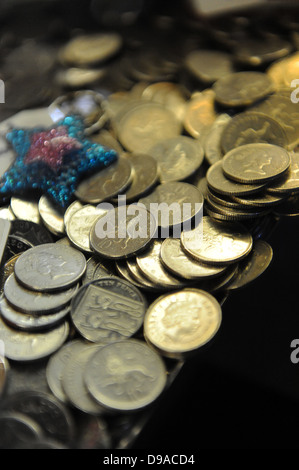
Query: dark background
{"type": "Point", "coordinates": [243, 392]}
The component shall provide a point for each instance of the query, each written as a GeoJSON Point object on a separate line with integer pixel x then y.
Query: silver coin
{"type": "Point", "coordinates": [74, 207]}
{"type": "Point", "coordinates": [107, 183]}
{"type": "Point", "coordinates": [123, 271]}
{"type": "Point", "coordinates": [94, 270]}
{"type": "Point", "coordinates": [25, 209]}
{"type": "Point", "coordinates": [149, 262]}
{"type": "Point", "coordinates": [217, 243]}
{"type": "Point", "coordinates": [177, 261]}
{"type": "Point", "coordinates": [127, 375]}
{"type": "Point", "coordinates": [22, 346]}
{"type": "Point", "coordinates": [56, 365]}
{"type": "Point", "coordinates": [31, 323]}
{"type": "Point", "coordinates": [6, 213]}
{"type": "Point", "coordinates": [51, 415]}
{"type": "Point", "coordinates": [80, 224]}
{"type": "Point", "coordinates": [50, 267]}
{"type": "Point", "coordinates": [17, 429]}
{"type": "Point", "coordinates": [73, 381]}
{"type": "Point", "coordinates": [173, 203]}
{"type": "Point", "coordinates": [109, 309]}
{"type": "Point", "coordinates": [33, 302]}
{"type": "Point", "coordinates": [178, 158]}
{"type": "Point", "coordinates": [51, 216]}
{"type": "Point", "coordinates": [4, 371]}
{"type": "Point", "coordinates": [125, 231]}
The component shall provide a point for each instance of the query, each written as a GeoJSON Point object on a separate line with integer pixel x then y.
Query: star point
{"type": "Point", "coordinates": [53, 160]}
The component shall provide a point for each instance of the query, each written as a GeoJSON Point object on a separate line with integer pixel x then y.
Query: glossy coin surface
{"type": "Point", "coordinates": [125, 376]}
{"type": "Point", "coordinates": [200, 113]}
{"type": "Point", "coordinates": [29, 301]}
{"type": "Point", "coordinates": [212, 141]}
{"type": "Point", "coordinates": [177, 158]}
{"type": "Point", "coordinates": [281, 108]}
{"type": "Point", "coordinates": [17, 429]}
{"type": "Point", "coordinates": [143, 126]}
{"type": "Point", "coordinates": [35, 234]}
{"type": "Point", "coordinates": [49, 267]}
{"type": "Point", "coordinates": [4, 372]}
{"type": "Point", "coordinates": [152, 268]}
{"type": "Point", "coordinates": [52, 416]}
{"type": "Point", "coordinates": [107, 183]}
{"type": "Point", "coordinates": [31, 322]}
{"type": "Point", "coordinates": [145, 175]}
{"type": "Point", "coordinates": [256, 163]}
{"type": "Point", "coordinates": [52, 217]}
{"type": "Point", "coordinates": [56, 366]}
{"type": "Point", "coordinates": [73, 381]}
{"type": "Point", "coordinates": [217, 243]}
{"type": "Point", "coordinates": [108, 310]}
{"type": "Point", "coordinates": [79, 225]}
{"type": "Point", "coordinates": [176, 260]}
{"type": "Point", "coordinates": [208, 65]}
{"type": "Point", "coordinates": [124, 232]}
{"type": "Point", "coordinates": [22, 346]}
{"type": "Point", "coordinates": [25, 208]}
{"type": "Point", "coordinates": [253, 266]}
{"type": "Point", "coordinates": [217, 180]}
{"type": "Point", "coordinates": [91, 49]}
{"type": "Point", "coordinates": [252, 128]}
{"type": "Point", "coordinates": [242, 88]}
{"type": "Point", "coordinates": [182, 322]}
{"type": "Point", "coordinates": [174, 203]}
{"type": "Point", "coordinates": [289, 182]}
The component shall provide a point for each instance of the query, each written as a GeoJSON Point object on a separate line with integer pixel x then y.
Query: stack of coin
{"type": "Point", "coordinates": [36, 300]}
{"type": "Point", "coordinates": [213, 130]}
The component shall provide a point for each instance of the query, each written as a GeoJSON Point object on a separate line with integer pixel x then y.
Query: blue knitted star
{"type": "Point", "coordinates": [53, 160]}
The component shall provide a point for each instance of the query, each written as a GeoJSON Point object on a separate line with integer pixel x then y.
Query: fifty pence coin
{"type": "Point", "coordinates": [108, 310]}
{"type": "Point", "coordinates": [182, 322]}
{"type": "Point", "coordinates": [50, 267]}
{"type": "Point", "coordinates": [125, 376]}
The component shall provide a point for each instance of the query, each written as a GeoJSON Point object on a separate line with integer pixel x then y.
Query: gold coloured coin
{"type": "Point", "coordinates": [182, 322]}
{"type": "Point", "coordinates": [217, 243]}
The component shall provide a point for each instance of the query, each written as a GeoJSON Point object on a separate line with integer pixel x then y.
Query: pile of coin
{"type": "Point", "coordinates": [97, 327]}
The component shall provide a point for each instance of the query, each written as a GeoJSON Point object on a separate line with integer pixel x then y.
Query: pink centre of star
{"type": "Point", "coordinates": [51, 146]}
